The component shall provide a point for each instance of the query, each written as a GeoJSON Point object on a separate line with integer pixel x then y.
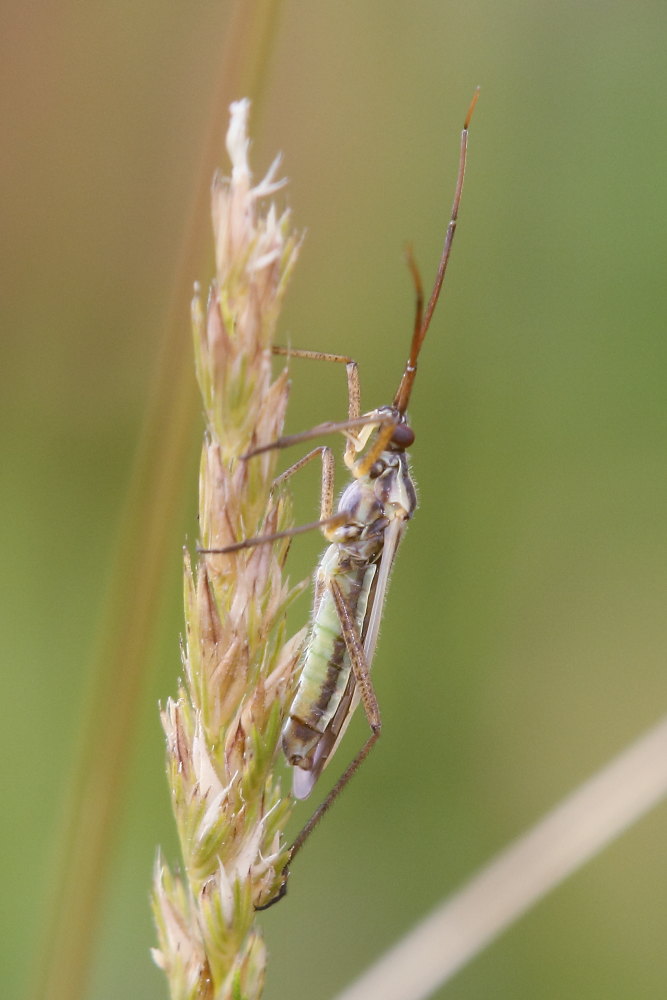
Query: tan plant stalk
{"type": "Point", "coordinates": [579, 827]}
{"type": "Point", "coordinates": [223, 729]}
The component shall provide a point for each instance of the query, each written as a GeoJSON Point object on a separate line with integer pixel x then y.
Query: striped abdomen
{"type": "Point", "coordinates": [326, 664]}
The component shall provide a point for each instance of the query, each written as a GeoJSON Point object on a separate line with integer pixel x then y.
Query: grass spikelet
{"type": "Point", "coordinates": [223, 728]}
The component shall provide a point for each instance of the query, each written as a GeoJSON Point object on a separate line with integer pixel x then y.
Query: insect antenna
{"type": "Point", "coordinates": [422, 322]}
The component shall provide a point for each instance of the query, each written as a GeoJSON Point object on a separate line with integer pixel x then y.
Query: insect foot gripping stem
{"type": "Point", "coordinates": [282, 892]}
{"type": "Point", "coordinates": [353, 575]}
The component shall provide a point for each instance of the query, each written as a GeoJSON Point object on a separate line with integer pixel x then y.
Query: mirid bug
{"type": "Point", "coordinates": [363, 534]}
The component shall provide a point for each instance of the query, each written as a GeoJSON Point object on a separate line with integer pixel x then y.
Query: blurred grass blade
{"type": "Point", "coordinates": [154, 498]}
{"type": "Point", "coordinates": [575, 831]}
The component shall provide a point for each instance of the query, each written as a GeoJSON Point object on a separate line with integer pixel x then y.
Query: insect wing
{"type": "Point", "coordinates": [304, 781]}
{"type": "Point", "coordinates": [392, 538]}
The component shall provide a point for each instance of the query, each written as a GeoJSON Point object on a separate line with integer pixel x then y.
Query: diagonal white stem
{"type": "Point", "coordinates": [576, 830]}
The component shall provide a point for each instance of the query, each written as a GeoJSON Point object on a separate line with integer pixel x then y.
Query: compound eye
{"type": "Point", "coordinates": [403, 436]}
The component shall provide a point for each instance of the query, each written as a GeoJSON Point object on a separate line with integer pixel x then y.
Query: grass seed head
{"type": "Point", "coordinates": [223, 729]}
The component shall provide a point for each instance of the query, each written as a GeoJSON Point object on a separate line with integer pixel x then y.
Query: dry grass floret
{"type": "Point", "coordinates": [223, 729]}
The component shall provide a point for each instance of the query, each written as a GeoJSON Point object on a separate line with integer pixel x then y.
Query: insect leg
{"type": "Point", "coordinates": [327, 518]}
{"type": "Point", "coordinates": [351, 367]}
{"type": "Point", "coordinates": [327, 490]}
{"type": "Point", "coordinates": [361, 670]}
{"type": "Point", "coordinates": [366, 422]}
{"type": "Point", "coordinates": [362, 466]}
{"type": "Point", "coordinates": [353, 445]}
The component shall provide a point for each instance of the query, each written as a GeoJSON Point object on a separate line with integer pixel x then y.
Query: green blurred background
{"type": "Point", "coordinates": [524, 638]}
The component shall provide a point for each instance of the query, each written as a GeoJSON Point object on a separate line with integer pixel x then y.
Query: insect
{"type": "Point", "coordinates": [363, 534]}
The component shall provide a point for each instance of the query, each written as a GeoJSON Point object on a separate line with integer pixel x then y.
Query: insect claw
{"type": "Point", "coordinates": [282, 892]}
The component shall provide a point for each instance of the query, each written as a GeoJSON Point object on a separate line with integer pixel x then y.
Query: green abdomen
{"type": "Point", "coordinates": [326, 664]}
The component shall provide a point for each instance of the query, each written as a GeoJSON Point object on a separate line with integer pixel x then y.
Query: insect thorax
{"type": "Point", "coordinates": [373, 500]}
